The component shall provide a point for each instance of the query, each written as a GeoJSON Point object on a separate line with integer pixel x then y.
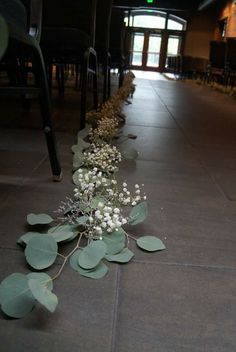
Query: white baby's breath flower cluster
{"type": "Point", "coordinates": [106, 121]}
{"type": "Point", "coordinates": [95, 204]}
{"type": "Point", "coordinates": [107, 128]}
{"type": "Point", "coordinates": [103, 156]}
{"type": "Point", "coordinates": [105, 219]}
{"type": "Point", "coordinates": [99, 200]}
{"type": "Point", "coordinates": [127, 198]}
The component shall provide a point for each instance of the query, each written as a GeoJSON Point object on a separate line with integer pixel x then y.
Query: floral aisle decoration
{"type": "Point", "coordinates": [94, 219]}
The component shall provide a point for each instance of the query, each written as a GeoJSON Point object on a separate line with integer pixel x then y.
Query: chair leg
{"type": "Point", "coordinates": [95, 81]}
{"type": "Point", "coordinates": [45, 107]}
{"type": "Point", "coordinates": [89, 65]}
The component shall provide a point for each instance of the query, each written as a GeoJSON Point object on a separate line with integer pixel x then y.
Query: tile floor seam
{"type": "Point", "coordinates": [211, 177]}
{"type": "Point", "coordinates": [115, 311]}
{"type": "Point", "coordinates": [202, 266]}
{"type": "Point", "coordinates": [151, 126]}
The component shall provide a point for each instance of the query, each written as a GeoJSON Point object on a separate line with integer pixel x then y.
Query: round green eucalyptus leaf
{"type": "Point", "coordinates": [81, 145]}
{"type": "Point", "coordinates": [84, 132]}
{"type": "Point", "coordinates": [3, 36]}
{"type": "Point", "coordinates": [62, 236]}
{"type": "Point", "coordinates": [123, 257]}
{"type": "Point", "coordinates": [78, 160]}
{"type": "Point", "coordinates": [41, 251]}
{"type": "Point", "coordinates": [15, 296]}
{"type": "Point", "coordinates": [115, 241]}
{"type": "Point", "coordinates": [138, 213]}
{"type": "Point", "coordinates": [96, 273]}
{"type": "Point", "coordinates": [99, 271]}
{"type": "Point", "coordinates": [75, 176]}
{"type": "Point", "coordinates": [74, 260]}
{"type": "Point", "coordinates": [65, 229]}
{"type": "Point", "coordinates": [92, 254]}
{"type": "Point", "coordinates": [150, 243]}
{"type": "Point", "coordinates": [48, 299]}
{"type": "Point", "coordinates": [129, 153]}
{"type": "Point", "coordinates": [24, 239]}
{"type": "Point", "coordinates": [82, 220]}
{"type": "Point", "coordinates": [39, 219]}
{"type": "Point", "coordinates": [94, 202]}
{"type": "Point", "coordinates": [42, 278]}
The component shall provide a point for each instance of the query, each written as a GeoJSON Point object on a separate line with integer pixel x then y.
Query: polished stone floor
{"type": "Point", "coordinates": [182, 299]}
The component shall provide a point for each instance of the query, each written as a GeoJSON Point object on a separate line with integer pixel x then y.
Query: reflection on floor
{"type": "Point", "coordinates": [179, 300]}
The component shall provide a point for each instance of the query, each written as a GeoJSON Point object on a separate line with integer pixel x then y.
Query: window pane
{"type": "Point", "coordinates": [137, 49]}
{"type": "Point", "coordinates": [137, 59]}
{"type": "Point", "coordinates": [149, 21]}
{"type": "Point", "coordinates": [138, 42]}
{"type": "Point", "coordinates": [173, 46]}
{"type": "Point", "coordinates": [174, 25]}
{"type": "Point", "coordinates": [154, 43]}
{"type": "Point", "coordinates": [153, 50]}
{"type": "Point", "coordinates": [153, 60]}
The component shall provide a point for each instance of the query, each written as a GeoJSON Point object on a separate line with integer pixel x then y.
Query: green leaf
{"type": "Point", "coordinates": [76, 174]}
{"type": "Point", "coordinates": [74, 260]}
{"type": "Point", "coordinates": [84, 132]}
{"type": "Point", "coordinates": [78, 160]}
{"type": "Point", "coordinates": [96, 273]}
{"type": "Point", "coordinates": [81, 145]}
{"type": "Point", "coordinates": [15, 296]}
{"type": "Point", "coordinates": [41, 251]}
{"type": "Point", "coordinates": [43, 295]}
{"type": "Point", "coordinates": [94, 202]}
{"type": "Point", "coordinates": [150, 243]}
{"type": "Point", "coordinates": [60, 236]}
{"type": "Point", "coordinates": [129, 153]}
{"type": "Point", "coordinates": [24, 239]}
{"type": "Point", "coordinates": [99, 271]}
{"type": "Point", "coordinates": [115, 241]}
{"type": "Point", "coordinates": [65, 229]}
{"type": "Point", "coordinates": [82, 220]}
{"type": "Point", "coordinates": [3, 36]}
{"type": "Point", "coordinates": [92, 254]}
{"type": "Point", "coordinates": [131, 136]}
{"type": "Point", "coordinates": [138, 213]}
{"type": "Point", "coordinates": [123, 257]}
{"type": "Point", "coordinates": [42, 278]}
{"type": "Point", "coordinates": [39, 219]}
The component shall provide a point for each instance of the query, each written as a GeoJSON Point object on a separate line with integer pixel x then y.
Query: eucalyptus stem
{"type": "Point", "coordinates": [133, 238]}
{"type": "Point", "coordinates": [67, 257]}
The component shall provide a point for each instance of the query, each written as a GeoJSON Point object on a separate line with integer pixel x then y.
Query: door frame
{"type": "Point", "coordinates": [165, 34]}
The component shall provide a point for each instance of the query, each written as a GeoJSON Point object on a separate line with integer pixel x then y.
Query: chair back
{"type": "Point", "coordinates": [231, 53]}
{"type": "Point", "coordinates": [103, 19]}
{"type": "Point", "coordinates": [14, 13]}
{"type": "Point", "coordinates": [217, 54]}
{"type": "Point", "coordinates": [78, 14]}
{"type": "Point", "coordinates": [117, 32]}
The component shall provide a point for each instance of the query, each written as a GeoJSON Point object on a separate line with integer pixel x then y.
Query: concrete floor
{"type": "Point", "coordinates": [182, 299]}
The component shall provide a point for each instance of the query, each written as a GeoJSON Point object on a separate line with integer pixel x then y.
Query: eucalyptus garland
{"type": "Point", "coordinates": [94, 219]}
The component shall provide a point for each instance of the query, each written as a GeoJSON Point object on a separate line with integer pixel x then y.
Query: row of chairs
{"type": "Point", "coordinates": [49, 33]}
{"type": "Point", "coordinates": [220, 68]}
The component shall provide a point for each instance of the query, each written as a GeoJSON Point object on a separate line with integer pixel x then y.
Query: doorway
{"type": "Point", "coordinates": [145, 50]}
{"type": "Point", "coordinates": [152, 36]}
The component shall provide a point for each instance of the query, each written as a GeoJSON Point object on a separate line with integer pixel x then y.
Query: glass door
{"type": "Point", "coordinates": [153, 52]}
{"type": "Point", "coordinates": [145, 50]}
{"type": "Point", "coordinates": [137, 49]}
